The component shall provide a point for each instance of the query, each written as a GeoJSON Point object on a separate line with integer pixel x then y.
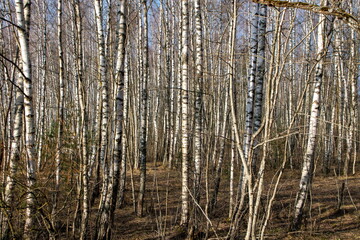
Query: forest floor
{"type": "Point", "coordinates": [163, 205]}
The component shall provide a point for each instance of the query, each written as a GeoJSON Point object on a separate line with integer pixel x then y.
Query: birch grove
{"type": "Point", "coordinates": [191, 119]}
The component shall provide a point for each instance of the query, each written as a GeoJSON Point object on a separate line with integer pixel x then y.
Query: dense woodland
{"type": "Point", "coordinates": [191, 119]}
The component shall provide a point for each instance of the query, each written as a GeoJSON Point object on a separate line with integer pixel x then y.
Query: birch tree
{"type": "Point", "coordinates": [103, 104]}
{"type": "Point", "coordinates": [308, 164]}
{"type": "Point", "coordinates": [251, 79]}
{"type": "Point", "coordinates": [103, 82]}
{"type": "Point", "coordinates": [23, 21]}
{"type": "Point", "coordinates": [184, 113]}
{"type": "Point", "coordinates": [354, 112]}
{"type": "Point", "coordinates": [58, 154]}
{"type": "Point", "coordinates": [222, 132]}
{"type": "Point", "coordinates": [84, 167]}
{"type": "Point", "coordinates": [124, 139]}
{"type": "Point", "coordinates": [122, 71]}
{"type": "Point", "coordinates": [144, 106]}
{"type": "Point", "coordinates": [260, 66]}
{"type": "Point", "coordinates": [183, 82]}
{"type": "Point", "coordinates": [106, 211]}
{"type": "Point", "coordinates": [173, 94]}
{"type": "Point", "coordinates": [249, 108]}
{"type": "Point", "coordinates": [41, 113]}
{"type": "Point", "coordinates": [198, 100]}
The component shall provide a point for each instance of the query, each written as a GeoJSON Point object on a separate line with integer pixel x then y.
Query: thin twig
{"type": "Point", "coordinates": [207, 218]}
{"type": "Point", "coordinates": [21, 72]}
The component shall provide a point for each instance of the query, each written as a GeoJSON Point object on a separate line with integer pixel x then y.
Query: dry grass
{"type": "Point", "coordinates": [324, 221]}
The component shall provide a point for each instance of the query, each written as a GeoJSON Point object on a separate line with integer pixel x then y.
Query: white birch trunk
{"type": "Point", "coordinates": [249, 108]}
{"type": "Point", "coordinates": [144, 110]}
{"type": "Point", "coordinates": [184, 113]}
{"type": "Point", "coordinates": [306, 174]}
{"type": "Point", "coordinates": [58, 155]}
{"type": "Point", "coordinates": [157, 84]}
{"type": "Point", "coordinates": [354, 98]}
{"type": "Point", "coordinates": [251, 80]}
{"type": "Point", "coordinates": [198, 100]}
{"type": "Point", "coordinates": [23, 20]}
{"type": "Point", "coordinates": [260, 66]}
{"type": "Point", "coordinates": [231, 180]}
{"type": "Point", "coordinates": [172, 84]}
{"type": "Point", "coordinates": [329, 148]}
{"type": "Point", "coordinates": [107, 210]}
{"type": "Point", "coordinates": [140, 68]}
{"type": "Point", "coordinates": [103, 216]}
{"type": "Point", "coordinates": [102, 71]}
{"type": "Point", "coordinates": [124, 139]}
{"type": "Point", "coordinates": [84, 168]}
{"type": "Point", "coordinates": [178, 112]}
{"type": "Point", "coordinates": [168, 52]}
{"type": "Point", "coordinates": [258, 112]}
{"type": "Point", "coordinates": [246, 170]}
{"type": "Point", "coordinates": [43, 84]}
{"type": "Point", "coordinates": [340, 94]}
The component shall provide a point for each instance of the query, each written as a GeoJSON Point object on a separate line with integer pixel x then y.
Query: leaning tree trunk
{"type": "Point", "coordinates": [246, 170]}
{"type": "Point", "coordinates": [249, 108]}
{"type": "Point", "coordinates": [308, 164]}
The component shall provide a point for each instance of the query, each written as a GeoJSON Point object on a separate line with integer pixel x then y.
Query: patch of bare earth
{"type": "Point", "coordinates": [162, 209]}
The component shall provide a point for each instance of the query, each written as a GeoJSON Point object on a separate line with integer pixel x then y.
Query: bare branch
{"type": "Point", "coordinates": [19, 69]}
{"type": "Point", "coordinates": [349, 19]}
{"type": "Point", "coordinates": [10, 22]}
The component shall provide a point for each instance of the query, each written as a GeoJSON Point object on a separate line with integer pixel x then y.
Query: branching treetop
{"type": "Point", "coordinates": [349, 19]}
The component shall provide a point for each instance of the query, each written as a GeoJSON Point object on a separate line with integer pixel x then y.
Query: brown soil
{"type": "Point", "coordinates": [324, 221]}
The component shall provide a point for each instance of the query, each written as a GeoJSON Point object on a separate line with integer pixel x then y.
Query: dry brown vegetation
{"type": "Point", "coordinates": [324, 221]}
